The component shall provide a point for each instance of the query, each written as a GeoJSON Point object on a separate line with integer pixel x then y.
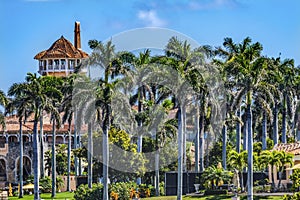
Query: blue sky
{"type": "Point", "coordinates": [30, 26]}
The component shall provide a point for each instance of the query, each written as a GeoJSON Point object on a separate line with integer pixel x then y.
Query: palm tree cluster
{"type": "Point", "coordinates": [257, 91]}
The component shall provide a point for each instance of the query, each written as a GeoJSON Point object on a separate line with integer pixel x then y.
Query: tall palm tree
{"type": "Point", "coordinates": [166, 130]}
{"type": "Point", "coordinates": [84, 100]}
{"type": "Point", "coordinates": [104, 57]}
{"type": "Point", "coordinates": [139, 63]}
{"type": "Point", "coordinates": [184, 61]}
{"type": "Point", "coordinates": [286, 86]}
{"type": "Point", "coordinates": [22, 110]}
{"type": "Point", "coordinates": [68, 110]}
{"type": "Point", "coordinates": [250, 72]}
{"type": "Point", "coordinates": [36, 97]}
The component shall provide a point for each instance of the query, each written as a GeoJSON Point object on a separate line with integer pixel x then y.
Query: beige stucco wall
{"type": "Point", "coordinates": [72, 183]}
{"type": "Point", "coordinates": [276, 179]}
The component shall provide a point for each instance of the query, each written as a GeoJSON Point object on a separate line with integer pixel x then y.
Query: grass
{"type": "Point", "coordinates": [69, 196]}
{"type": "Point", "coordinates": [220, 197]}
{"type": "Point", "coordinates": [61, 195]}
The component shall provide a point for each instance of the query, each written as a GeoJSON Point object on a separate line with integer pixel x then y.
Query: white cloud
{"type": "Point", "coordinates": [150, 18]}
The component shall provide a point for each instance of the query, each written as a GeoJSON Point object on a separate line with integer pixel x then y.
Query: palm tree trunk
{"type": "Point", "coordinates": [53, 194]}
{"type": "Point", "coordinates": [90, 155]}
{"type": "Point", "coordinates": [245, 135]}
{"type": "Point", "coordinates": [75, 144]}
{"type": "Point", "coordinates": [157, 172]}
{"type": "Point", "coordinates": [238, 132]}
{"type": "Point", "coordinates": [79, 159]}
{"type": "Point", "coordinates": [42, 163]}
{"type": "Point", "coordinates": [280, 178]}
{"type": "Point", "coordinates": [21, 160]}
{"type": "Point", "coordinates": [264, 131]}
{"type": "Point", "coordinates": [273, 179]}
{"type": "Point", "coordinates": [224, 145]}
{"type": "Point", "coordinates": [283, 139]}
{"type": "Point", "coordinates": [208, 137]}
{"type": "Point", "coordinates": [140, 124]}
{"type": "Point", "coordinates": [197, 142]}
{"type": "Point", "coordinates": [35, 161]}
{"type": "Point", "coordinates": [184, 168]}
{"type": "Point", "coordinates": [106, 152]}
{"type": "Point", "coordinates": [201, 142]}
{"type": "Point", "coordinates": [69, 159]}
{"type": "Point", "coordinates": [250, 149]}
{"type": "Point", "coordinates": [242, 181]}
{"type": "Point", "coordinates": [180, 154]}
{"type": "Point", "coordinates": [275, 125]}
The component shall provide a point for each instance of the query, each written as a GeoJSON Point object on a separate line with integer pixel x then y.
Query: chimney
{"type": "Point", "coordinates": [77, 42]}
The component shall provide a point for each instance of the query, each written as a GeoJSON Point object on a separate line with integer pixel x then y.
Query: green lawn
{"type": "Point", "coordinates": [220, 197]}
{"type": "Point", "coordinates": [69, 196]}
{"type": "Point", "coordinates": [61, 195]}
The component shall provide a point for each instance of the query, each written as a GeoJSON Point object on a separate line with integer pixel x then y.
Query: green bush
{"type": "Point", "coordinates": [162, 188]}
{"type": "Point", "coordinates": [46, 184]}
{"type": "Point", "coordinates": [144, 191]}
{"type": "Point", "coordinates": [83, 192]}
{"type": "Point", "coordinates": [59, 183]}
{"type": "Point", "coordinates": [295, 196]}
{"type": "Point", "coordinates": [122, 189]}
{"type": "Point", "coordinates": [215, 192]}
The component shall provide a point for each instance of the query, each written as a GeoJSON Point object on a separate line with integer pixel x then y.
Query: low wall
{"type": "Point", "coordinates": [72, 183]}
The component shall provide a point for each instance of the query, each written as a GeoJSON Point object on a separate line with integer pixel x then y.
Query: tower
{"type": "Point", "coordinates": [62, 56]}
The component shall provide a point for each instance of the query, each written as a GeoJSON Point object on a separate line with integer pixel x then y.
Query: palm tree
{"type": "Point", "coordinates": [3, 102]}
{"type": "Point", "coordinates": [23, 111]}
{"type": "Point", "coordinates": [104, 57]}
{"type": "Point", "coordinates": [286, 85]}
{"type": "Point", "coordinates": [184, 61]}
{"type": "Point", "coordinates": [216, 175]}
{"type": "Point", "coordinates": [84, 99]}
{"type": "Point", "coordinates": [68, 111]}
{"type": "Point", "coordinates": [249, 70]}
{"type": "Point", "coordinates": [139, 63]}
{"type": "Point", "coordinates": [166, 130]}
{"type": "Point", "coordinates": [271, 158]}
{"type": "Point", "coordinates": [36, 97]}
{"type": "Point", "coordinates": [285, 159]}
{"type": "Point", "coordinates": [238, 161]}
{"type": "Point", "coordinates": [55, 118]}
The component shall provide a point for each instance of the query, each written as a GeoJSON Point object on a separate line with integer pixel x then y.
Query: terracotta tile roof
{"type": "Point", "coordinates": [61, 48]}
{"type": "Point", "coordinates": [12, 125]}
{"type": "Point", "coordinates": [293, 148]}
